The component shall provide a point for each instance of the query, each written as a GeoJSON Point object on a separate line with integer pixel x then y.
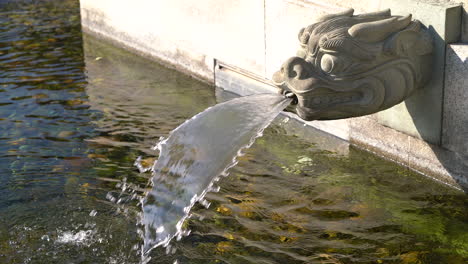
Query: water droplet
{"type": "Point", "coordinates": [160, 229]}
{"type": "Point", "coordinates": [110, 197]}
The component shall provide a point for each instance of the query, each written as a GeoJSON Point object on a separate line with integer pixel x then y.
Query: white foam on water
{"type": "Point", "coordinates": [82, 237]}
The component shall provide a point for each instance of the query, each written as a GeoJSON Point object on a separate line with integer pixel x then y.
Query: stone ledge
{"type": "Point", "coordinates": [433, 161]}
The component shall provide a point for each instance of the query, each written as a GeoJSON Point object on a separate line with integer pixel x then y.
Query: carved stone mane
{"type": "Point", "coordinates": [353, 65]}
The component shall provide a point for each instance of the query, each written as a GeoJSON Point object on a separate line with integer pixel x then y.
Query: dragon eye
{"type": "Point", "coordinates": [328, 63]}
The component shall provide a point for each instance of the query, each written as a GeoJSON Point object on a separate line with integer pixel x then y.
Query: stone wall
{"type": "Point", "coordinates": [234, 43]}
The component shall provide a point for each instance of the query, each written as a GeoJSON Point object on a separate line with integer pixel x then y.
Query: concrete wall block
{"type": "Point", "coordinates": [184, 30]}
{"type": "Point", "coordinates": [455, 132]}
{"type": "Point", "coordinates": [464, 29]}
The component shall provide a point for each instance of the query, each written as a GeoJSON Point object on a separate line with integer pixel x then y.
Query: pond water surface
{"type": "Point", "coordinates": [75, 113]}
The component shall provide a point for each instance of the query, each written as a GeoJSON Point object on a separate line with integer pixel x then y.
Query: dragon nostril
{"type": "Point", "coordinates": [292, 74]}
{"type": "Point", "coordinates": [296, 71]}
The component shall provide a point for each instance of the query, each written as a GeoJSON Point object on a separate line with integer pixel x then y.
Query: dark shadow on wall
{"type": "Point", "coordinates": [425, 105]}
{"type": "Point", "coordinates": [446, 93]}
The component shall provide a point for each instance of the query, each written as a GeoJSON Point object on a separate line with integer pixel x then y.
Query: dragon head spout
{"type": "Point", "coordinates": [353, 65]}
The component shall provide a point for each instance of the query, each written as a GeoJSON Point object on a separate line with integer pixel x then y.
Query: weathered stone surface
{"type": "Point", "coordinates": [455, 129]}
{"type": "Point", "coordinates": [445, 166]}
{"type": "Point", "coordinates": [464, 29]}
{"type": "Point", "coordinates": [353, 65]}
{"type": "Point", "coordinates": [421, 114]}
{"type": "Point", "coordinates": [367, 133]}
{"type": "Point", "coordinates": [189, 34]}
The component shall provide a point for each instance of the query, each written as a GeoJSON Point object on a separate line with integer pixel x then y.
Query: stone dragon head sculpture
{"type": "Point", "coordinates": [353, 65]}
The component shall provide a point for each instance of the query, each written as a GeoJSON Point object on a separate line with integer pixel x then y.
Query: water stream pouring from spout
{"type": "Point", "coordinates": [193, 158]}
